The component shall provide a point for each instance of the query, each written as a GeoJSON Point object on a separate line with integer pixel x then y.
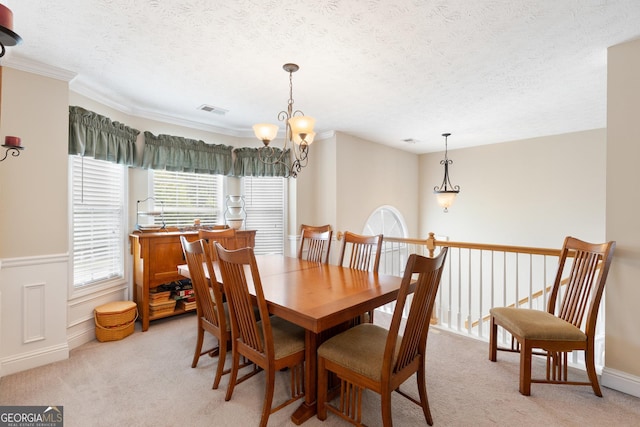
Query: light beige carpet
{"type": "Point", "coordinates": [146, 380]}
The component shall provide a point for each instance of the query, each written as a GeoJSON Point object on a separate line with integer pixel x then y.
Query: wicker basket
{"type": "Point", "coordinates": [115, 320]}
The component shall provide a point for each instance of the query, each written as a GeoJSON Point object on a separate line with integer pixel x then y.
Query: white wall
{"type": "Point", "coordinates": [532, 192]}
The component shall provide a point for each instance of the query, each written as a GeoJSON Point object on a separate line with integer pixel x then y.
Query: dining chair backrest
{"type": "Point", "coordinates": [316, 228]}
{"type": "Point", "coordinates": [414, 336]}
{"type": "Point", "coordinates": [226, 237]}
{"type": "Point", "coordinates": [315, 245]}
{"type": "Point", "coordinates": [588, 270]}
{"type": "Point", "coordinates": [364, 251]}
{"type": "Point", "coordinates": [238, 268]}
{"type": "Point", "coordinates": [207, 297]}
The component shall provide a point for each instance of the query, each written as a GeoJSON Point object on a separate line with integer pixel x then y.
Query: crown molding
{"type": "Point", "coordinates": [75, 85]}
{"type": "Point", "coordinates": [39, 68]}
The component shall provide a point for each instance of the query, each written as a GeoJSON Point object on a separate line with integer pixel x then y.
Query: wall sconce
{"type": "Point", "coordinates": [7, 36]}
{"type": "Point", "coordinates": [298, 134]}
{"type": "Point", "coordinates": [446, 193]}
{"type": "Point", "coordinates": [13, 145]}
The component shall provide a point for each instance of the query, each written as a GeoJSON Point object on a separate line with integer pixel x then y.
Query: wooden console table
{"type": "Point", "coordinates": [156, 256]}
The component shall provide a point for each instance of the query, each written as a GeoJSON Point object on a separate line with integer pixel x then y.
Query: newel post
{"type": "Point", "coordinates": [431, 244]}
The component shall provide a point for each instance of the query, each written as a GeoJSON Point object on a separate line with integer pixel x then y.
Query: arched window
{"type": "Point", "coordinates": [386, 220]}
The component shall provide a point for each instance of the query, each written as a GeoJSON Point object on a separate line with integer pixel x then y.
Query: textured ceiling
{"type": "Point", "coordinates": [384, 70]}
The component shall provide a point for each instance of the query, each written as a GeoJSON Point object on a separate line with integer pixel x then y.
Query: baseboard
{"type": "Point", "coordinates": [81, 334]}
{"type": "Point", "coordinates": [620, 381]}
{"type": "Point", "coordinates": [24, 361]}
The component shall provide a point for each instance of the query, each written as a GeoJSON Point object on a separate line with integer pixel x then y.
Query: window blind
{"type": "Point", "coordinates": [98, 217]}
{"type": "Point", "coordinates": [186, 197]}
{"type": "Point", "coordinates": [265, 206]}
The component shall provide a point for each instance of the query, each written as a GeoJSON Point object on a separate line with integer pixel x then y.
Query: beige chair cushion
{"type": "Point", "coordinates": [536, 324]}
{"type": "Point", "coordinates": [287, 337]}
{"type": "Point", "coordinates": [360, 349]}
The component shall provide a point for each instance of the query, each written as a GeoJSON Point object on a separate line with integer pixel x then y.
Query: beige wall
{"type": "Point", "coordinates": [623, 205]}
{"type": "Point", "coordinates": [370, 176]}
{"type": "Point", "coordinates": [531, 193]}
{"type": "Point", "coordinates": [33, 186]}
{"type": "Point", "coordinates": [316, 185]}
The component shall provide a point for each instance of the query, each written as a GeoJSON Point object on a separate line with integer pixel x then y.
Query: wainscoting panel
{"type": "Point", "coordinates": [33, 312]}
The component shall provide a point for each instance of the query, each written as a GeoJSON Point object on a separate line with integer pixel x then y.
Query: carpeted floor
{"type": "Point", "coordinates": [146, 380]}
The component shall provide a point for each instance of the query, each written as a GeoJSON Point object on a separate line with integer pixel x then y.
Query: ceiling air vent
{"type": "Point", "coordinates": [213, 110]}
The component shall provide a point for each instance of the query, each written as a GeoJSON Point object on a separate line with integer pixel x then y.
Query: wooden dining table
{"type": "Point", "coordinates": [319, 298]}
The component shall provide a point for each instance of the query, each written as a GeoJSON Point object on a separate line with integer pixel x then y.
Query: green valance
{"type": "Point", "coordinates": [175, 153]}
{"type": "Point", "coordinates": [248, 163]}
{"type": "Point", "coordinates": [96, 136]}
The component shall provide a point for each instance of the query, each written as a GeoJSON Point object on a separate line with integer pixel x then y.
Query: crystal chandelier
{"type": "Point", "coordinates": [298, 135]}
{"type": "Point", "coordinates": [446, 193]}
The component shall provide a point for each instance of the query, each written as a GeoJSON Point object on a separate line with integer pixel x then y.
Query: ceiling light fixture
{"type": "Point", "coordinates": [7, 36]}
{"type": "Point", "coordinates": [298, 135]}
{"type": "Point", "coordinates": [446, 193]}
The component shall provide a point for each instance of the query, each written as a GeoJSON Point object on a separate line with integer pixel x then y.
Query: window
{"type": "Point", "coordinates": [386, 220]}
{"type": "Point", "coordinates": [186, 197]}
{"type": "Point", "coordinates": [98, 198]}
{"type": "Point", "coordinates": [265, 205]}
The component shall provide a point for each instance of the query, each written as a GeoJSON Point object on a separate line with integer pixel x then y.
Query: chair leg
{"type": "Point", "coordinates": [222, 356]}
{"type": "Point", "coordinates": [525, 368]}
{"type": "Point", "coordinates": [235, 361]}
{"type": "Point", "coordinates": [268, 397]}
{"type": "Point", "coordinates": [493, 340]}
{"type": "Point", "coordinates": [591, 372]}
{"type": "Point", "coordinates": [422, 391]}
{"type": "Point", "coordinates": [323, 384]}
{"type": "Point", "coordinates": [385, 402]}
{"type": "Point", "coordinates": [200, 340]}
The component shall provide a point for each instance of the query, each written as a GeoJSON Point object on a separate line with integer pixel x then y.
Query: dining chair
{"type": "Point", "coordinates": [212, 312]}
{"type": "Point", "coordinates": [569, 322]}
{"type": "Point", "coordinates": [315, 243]}
{"type": "Point", "coordinates": [371, 357]}
{"type": "Point", "coordinates": [364, 254]}
{"type": "Point", "coordinates": [226, 237]}
{"type": "Point", "coordinates": [272, 343]}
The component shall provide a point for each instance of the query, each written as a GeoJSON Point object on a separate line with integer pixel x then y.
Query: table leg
{"type": "Point", "coordinates": [308, 408]}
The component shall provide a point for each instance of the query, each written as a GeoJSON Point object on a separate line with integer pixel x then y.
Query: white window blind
{"type": "Point", "coordinates": [98, 199]}
{"type": "Point", "coordinates": [265, 204]}
{"type": "Point", "coordinates": [186, 197]}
